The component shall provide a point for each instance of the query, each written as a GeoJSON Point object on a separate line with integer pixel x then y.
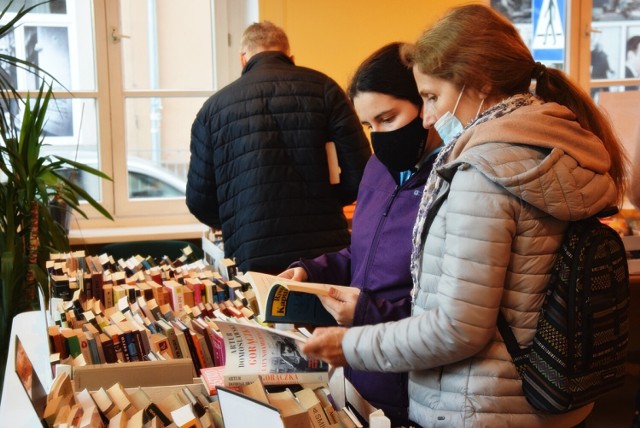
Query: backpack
{"type": "Point", "coordinates": [580, 345]}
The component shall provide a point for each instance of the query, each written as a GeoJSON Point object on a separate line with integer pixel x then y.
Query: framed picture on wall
{"type": "Point", "coordinates": [632, 55]}
{"type": "Point", "coordinates": [517, 11]}
{"type": "Point", "coordinates": [605, 55]}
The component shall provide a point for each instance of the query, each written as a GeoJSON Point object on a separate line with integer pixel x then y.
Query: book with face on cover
{"type": "Point", "coordinates": [30, 381]}
{"type": "Point", "coordinates": [254, 351]}
{"type": "Point", "coordinates": [281, 300]}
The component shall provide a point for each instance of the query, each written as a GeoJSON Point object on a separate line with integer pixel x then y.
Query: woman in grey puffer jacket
{"type": "Point", "coordinates": [492, 217]}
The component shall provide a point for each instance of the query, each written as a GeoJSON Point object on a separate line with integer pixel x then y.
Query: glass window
{"type": "Point", "coordinates": [615, 46]}
{"type": "Point", "coordinates": [130, 76]}
{"type": "Point", "coordinates": [607, 55]}
{"type": "Point", "coordinates": [542, 26]}
{"type": "Point", "coordinates": [154, 41]}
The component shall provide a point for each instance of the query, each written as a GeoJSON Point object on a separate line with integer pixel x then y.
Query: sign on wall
{"type": "Point", "coordinates": [549, 36]}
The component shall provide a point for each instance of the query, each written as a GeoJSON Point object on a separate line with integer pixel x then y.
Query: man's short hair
{"type": "Point", "coordinates": [264, 36]}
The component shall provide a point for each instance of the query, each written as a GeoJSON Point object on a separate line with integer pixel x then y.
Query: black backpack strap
{"type": "Point", "coordinates": [508, 337]}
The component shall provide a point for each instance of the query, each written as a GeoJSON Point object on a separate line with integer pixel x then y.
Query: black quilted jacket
{"type": "Point", "coordinates": [259, 168]}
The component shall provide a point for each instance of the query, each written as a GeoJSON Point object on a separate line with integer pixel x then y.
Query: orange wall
{"type": "Point", "coordinates": [334, 36]}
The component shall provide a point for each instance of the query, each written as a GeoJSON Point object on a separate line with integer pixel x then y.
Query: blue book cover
{"type": "Point", "coordinates": [285, 306]}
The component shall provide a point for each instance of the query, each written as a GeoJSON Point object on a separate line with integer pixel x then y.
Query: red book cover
{"type": "Point", "coordinates": [212, 377]}
{"type": "Point", "coordinates": [197, 287]}
{"type": "Point", "coordinates": [217, 341]}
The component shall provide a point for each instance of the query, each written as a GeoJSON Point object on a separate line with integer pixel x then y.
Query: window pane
{"type": "Point", "coordinates": [157, 136]}
{"type": "Point", "coordinates": [58, 39]}
{"type": "Point", "coordinates": [542, 25]}
{"type": "Point", "coordinates": [155, 59]}
{"type": "Point", "coordinates": [58, 6]}
{"type": "Point", "coordinates": [72, 133]}
{"type": "Point", "coordinates": [615, 46]}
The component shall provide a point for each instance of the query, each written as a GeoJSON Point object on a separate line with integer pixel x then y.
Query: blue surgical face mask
{"type": "Point", "coordinates": [449, 126]}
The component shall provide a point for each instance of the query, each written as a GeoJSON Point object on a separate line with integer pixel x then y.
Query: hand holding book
{"type": "Point", "coordinates": [282, 300]}
{"type": "Point", "coordinates": [341, 303]}
{"type": "Point", "coordinates": [326, 344]}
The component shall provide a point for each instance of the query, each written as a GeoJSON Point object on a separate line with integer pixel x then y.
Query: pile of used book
{"type": "Point", "coordinates": [158, 341]}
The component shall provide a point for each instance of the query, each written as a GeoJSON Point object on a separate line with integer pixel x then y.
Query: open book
{"type": "Point", "coordinates": [253, 351]}
{"type": "Point", "coordinates": [283, 300]}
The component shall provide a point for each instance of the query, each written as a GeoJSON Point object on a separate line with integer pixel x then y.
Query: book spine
{"type": "Point", "coordinates": [199, 353]}
{"type": "Point", "coordinates": [173, 342]}
{"type": "Point", "coordinates": [110, 354]}
{"type": "Point", "coordinates": [124, 348]}
{"type": "Point", "coordinates": [73, 346]}
{"type": "Point", "coordinates": [217, 341]}
{"type": "Point", "coordinates": [132, 347]}
{"type": "Point", "coordinates": [85, 349]}
{"type": "Point", "coordinates": [100, 350]}
{"type": "Point", "coordinates": [299, 378]}
{"type": "Point", "coordinates": [93, 351]}
{"type": "Point", "coordinates": [107, 290]}
{"type": "Point", "coordinates": [157, 314]}
{"type": "Point", "coordinates": [206, 350]}
{"type": "Point", "coordinates": [140, 346]}
{"type": "Point", "coordinates": [57, 342]}
{"type": "Point", "coordinates": [209, 345]}
{"type": "Point", "coordinates": [209, 288]}
{"type": "Point", "coordinates": [96, 286]}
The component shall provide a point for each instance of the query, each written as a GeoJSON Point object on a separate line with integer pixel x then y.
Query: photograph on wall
{"type": "Point", "coordinates": [616, 10]}
{"type": "Point", "coordinates": [605, 55]}
{"type": "Point", "coordinates": [632, 54]}
{"type": "Point", "coordinates": [517, 11]}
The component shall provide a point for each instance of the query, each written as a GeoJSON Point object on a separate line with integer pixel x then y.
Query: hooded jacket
{"type": "Point", "coordinates": [510, 186]}
{"type": "Point", "coordinates": [259, 166]}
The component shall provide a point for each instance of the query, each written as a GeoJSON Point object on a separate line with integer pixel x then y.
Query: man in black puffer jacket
{"type": "Point", "coordinates": [259, 167]}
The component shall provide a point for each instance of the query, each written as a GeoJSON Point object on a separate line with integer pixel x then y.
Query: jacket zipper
{"type": "Point", "coordinates": [376, 237]}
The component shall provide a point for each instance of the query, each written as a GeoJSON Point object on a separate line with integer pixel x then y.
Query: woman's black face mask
{"type": "Point", "coordinates": [401, 149]}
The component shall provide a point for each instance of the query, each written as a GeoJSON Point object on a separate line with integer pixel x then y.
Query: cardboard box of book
{"type": "Point", "coordinates": [115, 405]}
{"type": "Point", "coordinates": [267, 376]}
{"type": "Point", "coordinates": [133, 374]}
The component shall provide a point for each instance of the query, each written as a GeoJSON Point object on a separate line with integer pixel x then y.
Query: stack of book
{"type": "Point", "coordinates": [137, 312]}
{"type": "Point", "coordinates": [302, 406]}
{"type": "Point", "coordinates": [139, 407]}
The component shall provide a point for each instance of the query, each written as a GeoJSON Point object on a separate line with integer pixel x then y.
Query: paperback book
{"type": "Point", "coordinates": [283, 300]}
{"type": "Point", "coordinates": [254, 351]}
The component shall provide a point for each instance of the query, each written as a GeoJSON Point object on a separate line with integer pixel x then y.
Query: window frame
{"type": "Point", "coordinates": [137, 219]}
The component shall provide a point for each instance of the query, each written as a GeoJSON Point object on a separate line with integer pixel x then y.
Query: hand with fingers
{"type": "Point", "coordinates": [326, 344]}
{"type": "Point", "coordinates": [295, 274]}
{"type": "Point", "coordinates": [341, 304]}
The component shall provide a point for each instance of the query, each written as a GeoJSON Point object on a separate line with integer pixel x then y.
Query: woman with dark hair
{"type": "Point", "coordinates": [376, 264]}
{"type": "Point", "coordinates": [518, 165]}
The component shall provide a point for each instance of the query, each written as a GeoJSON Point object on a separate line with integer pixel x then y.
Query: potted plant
{"type": "Point", "coordinates": [29, 181]}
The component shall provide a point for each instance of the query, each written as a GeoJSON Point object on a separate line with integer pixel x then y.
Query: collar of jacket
{"type": "Point", "coordinates": [266, 57]}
